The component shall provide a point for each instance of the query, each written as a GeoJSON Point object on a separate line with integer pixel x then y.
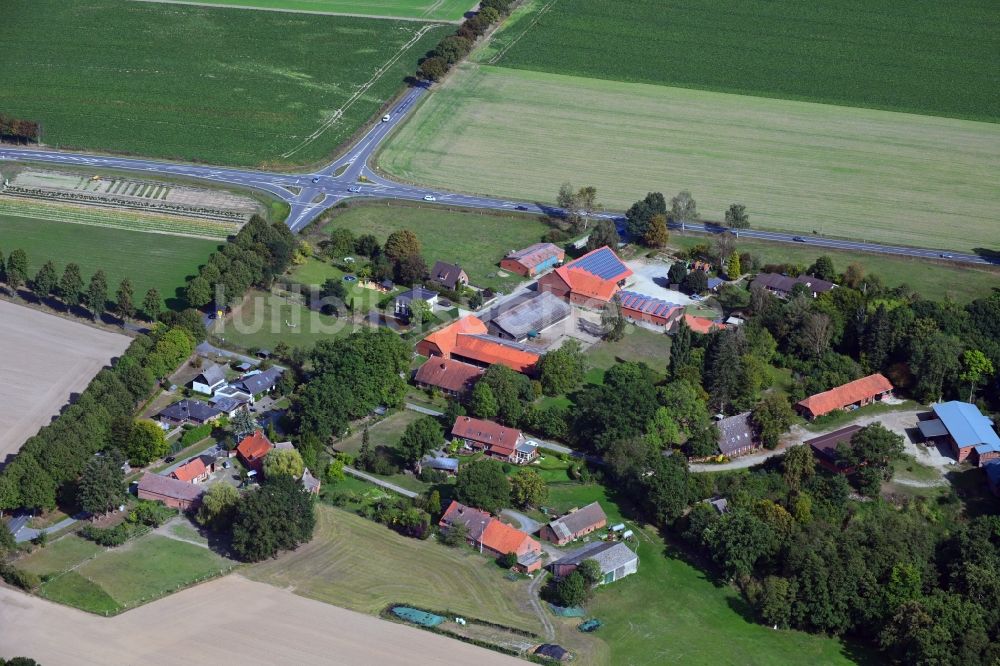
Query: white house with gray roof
{"type": "Point", "coordinates": [615, 558]}
{"type": "Point", "coordinates": [211, 378]}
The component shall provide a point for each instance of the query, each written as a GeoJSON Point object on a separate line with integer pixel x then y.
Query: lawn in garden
{"type": "Point", "coordinates": [917, 57]}
{"type": "Point", "coordinates": [159, 261]}
{"type": "Point", "coordinates": [799, 167]}
{"type": "Point", "coordinates": [207, 84]}
{"type": "Point", "coordinates": [476, 240]}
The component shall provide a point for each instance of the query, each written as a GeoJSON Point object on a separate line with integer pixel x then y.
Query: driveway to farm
{"type": "Point", "coordinates": [22, 533]}
{"type": "Point", "coordinates": [902, 423]}
{"type": "Point", "coordinates": [310, 195]}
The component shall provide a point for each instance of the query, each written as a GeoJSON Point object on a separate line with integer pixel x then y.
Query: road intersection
{"type": "Point", "coordinates": [350, 176]}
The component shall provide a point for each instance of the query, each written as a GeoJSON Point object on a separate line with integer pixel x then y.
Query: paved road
{"type": "Point", "coordinates": [379, 482]}
{"type": "Point", "coordinates": [528, 525]}
{"type": "Point", "coordinates": [24, 533]}
{"type": "Point", "coordinates": [309, 195]}
{"type": "Point", "coordinates": [423, 410]}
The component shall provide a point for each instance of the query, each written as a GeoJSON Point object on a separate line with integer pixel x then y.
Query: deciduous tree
{"type": "Point", "coordinates": [483, 484]}
{"type": "Point", "coordinates": [772, 417]}
{"type": "Point", "coordinates": [17, 269]}
{"type": "Point", "coordinates": [400, 244]}
{"type": "Point", "coordinates": [561, 370]}
{"type": "Point", "coordinates": [736, 217]}
{"type": "Point", "coordinates": [277, 516]}
{"type": "Point", "coordinates": [102, 486]}
{"type": "Point", "coordinates": [97, 294]}
{"type": "Point", "coordinates": [46, 280]}
{"type": "Point", "coordinates": [528, 488]}
{"type": "Point", "coordinates": [145, 442]}
{"type": "Point", "coordinates": [218, 507]}
{"type": "Point", "coordinates": [152, 305]}
{"type": "Point", "coordinates": [420, 438]}
{"type": "Point", "coordinates": [124, 307]}
{"type": "Point", "coordinates": [283, 462]}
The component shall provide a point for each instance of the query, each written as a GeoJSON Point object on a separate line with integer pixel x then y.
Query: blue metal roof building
{"type": "Point", "coordinates": [967, 427]}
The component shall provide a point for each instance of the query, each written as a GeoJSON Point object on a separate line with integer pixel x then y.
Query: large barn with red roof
{"type": "Point", "coordinates": [467, 340]}
{"type": "Point", "coordinates": [592, 280]}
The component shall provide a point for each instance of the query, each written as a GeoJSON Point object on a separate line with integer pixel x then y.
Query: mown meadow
{"type": "Point", "coordinates": [218, 85]}
{"type": "Point", "coordinates": [919, 56]}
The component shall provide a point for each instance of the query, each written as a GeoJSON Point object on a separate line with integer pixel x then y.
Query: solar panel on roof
{"type": "Point", "coordinates": [603, 263]}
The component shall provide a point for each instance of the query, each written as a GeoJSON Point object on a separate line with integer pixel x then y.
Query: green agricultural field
{"type": "Point", "coordinates": [919, 57]}
{"type": "Point", "coordinates": [148, 260]}
{"type": "Point", "coordinates": [436, 10]}
{"type": "Point", "coordinates": [364, 566]}
{"type": "Point", "coordinates": [218, 85]}
{"type": "Point", "coordinates": [109, 580]}
{"type": "Point", "coordinates": [797, 166]}
{"type": "Point", "coordinates": [933, 280]}
{"type": "Point", "coordinates": [485, 237]}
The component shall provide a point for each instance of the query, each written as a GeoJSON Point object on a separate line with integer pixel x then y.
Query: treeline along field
{"type": "Point", "coordinates": [225, 86]}
{"type": "Point", "coordinates": [918, 56]}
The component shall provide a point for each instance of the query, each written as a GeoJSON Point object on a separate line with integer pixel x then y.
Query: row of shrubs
{"type": "Point", "coordinates": [455, 47]}
{"type": "Point", "coordinates": [144, 516]}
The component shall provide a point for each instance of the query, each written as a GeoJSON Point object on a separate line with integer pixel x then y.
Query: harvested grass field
{"type": "Point", "coordinates": [60, 555]}
{"type": "Point", "coordinates": [218, 85]}
{"type": "Point", "coordinates": [436, 10]}
{"type": "Point", "coordinates": [797, 166]}
{"type": "Point", "coordinates": [46, 360]}
{"type": "Point", "coordinates": [200, 626]}
{"type": "Point", "coordinates": [934, 280]}
{"type": "Point", "coordinates": [361, 565]}
{"type": "Point", "coordinates": [917, 57]}
{"type": "Point", "coordinates": [150, 261]}
{"type": "Point", "coordinates": [485, 238]}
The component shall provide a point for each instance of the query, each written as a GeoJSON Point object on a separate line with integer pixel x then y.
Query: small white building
{"type": "Point", "coordinates": [210, 379]}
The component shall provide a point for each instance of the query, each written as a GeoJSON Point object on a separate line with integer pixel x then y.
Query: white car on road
{"type": "Point", "coordinates": [386, 118]}
{"type": "Point", "coordinates": [430, 197]}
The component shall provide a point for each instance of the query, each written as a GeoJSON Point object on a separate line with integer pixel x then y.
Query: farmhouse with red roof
{"type": "Point", "coordinates": [592, 280]}
{"type": "Point", "coordinates": [252, 450]}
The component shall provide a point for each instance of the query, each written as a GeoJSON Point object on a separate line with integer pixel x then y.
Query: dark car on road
{"type": "Point", "coordinates": [169, 459]}
{"type": "Point", "coordinates": [798, 239]}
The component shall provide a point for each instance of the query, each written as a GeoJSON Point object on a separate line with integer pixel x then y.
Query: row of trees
{"type": "Point", "coordinates": [646, 220]}
{"type": "Point", "coordinates": [16, 129]}
{"type": "Point", "coordinates": [72, 291]}
{"type": "Point", "coordinates": [455, 47]}
{"type": "Point", "coordinates": [99, 420]}
{"type": "Point", "coordinates": [255, 256]}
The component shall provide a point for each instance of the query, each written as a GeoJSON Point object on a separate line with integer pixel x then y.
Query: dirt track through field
{"type": "Point", "coordinates": [230, 620]}
{"type": "Point", "coordinates": [45, 359]}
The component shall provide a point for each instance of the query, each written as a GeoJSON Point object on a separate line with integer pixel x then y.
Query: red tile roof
{"type": "Point", "coordinates": [504, 539]}
{"type": "Point", "coordinates": [848, 394]}
{"type": "Point", "coordinates": [493, 435]}
{"type": "Point", "coordinates": [446, 338]}
{"type": "Point", "coordinates": [167, 487]}
{"type": "Point", "coordinates": [495, 351]}
{"type": "Point", "coordinates": [254, 447]}
{"type": "Point", "coordinates": [447, 374]}
{"type": "Point", "coordinates": [582, 281]}
{"type": "Point", "coordinates": [190, 470]}
{"type": "Point", "coordinates": [463, 338]}
{"type": "Point", "coordinates": [702, 325]}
